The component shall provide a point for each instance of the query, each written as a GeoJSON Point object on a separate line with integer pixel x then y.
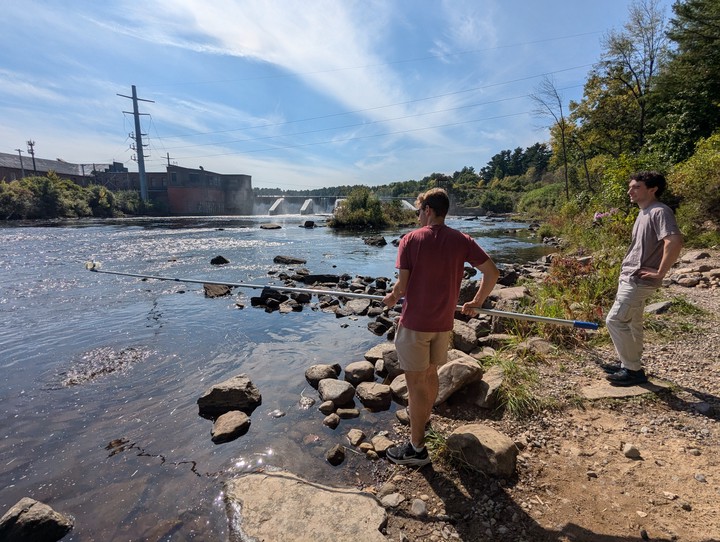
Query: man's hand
{"type": "Point", "coordinates": [471, 309]}
{"type": "Point", "coordinates": [389, 300]}
{"type": "Point", "coordinates": [650, 274]}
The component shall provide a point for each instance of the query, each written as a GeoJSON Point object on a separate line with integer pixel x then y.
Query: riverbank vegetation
{"type": "Point", "coordinates": [49, 197]}
{"type": "Point", "coordinates": [363, 210]}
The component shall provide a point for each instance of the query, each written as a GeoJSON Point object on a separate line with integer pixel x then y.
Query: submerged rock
{"type": "Point", "coordinates": [32, 520]}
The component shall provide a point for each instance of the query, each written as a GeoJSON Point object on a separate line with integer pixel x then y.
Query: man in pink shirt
{"type": "Point", "coordinates": [431, 262]}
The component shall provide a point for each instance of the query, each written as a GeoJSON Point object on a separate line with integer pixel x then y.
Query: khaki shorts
{"type": "Point", "coordinates": [417, 350]}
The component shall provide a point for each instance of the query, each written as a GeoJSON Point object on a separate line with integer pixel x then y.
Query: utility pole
{"type": "Point", "coordinates": [31, 150]}
{"type": "Point", "coordinates": [138, 142]}
{"type": "Point", "coordinates": [22, 167]}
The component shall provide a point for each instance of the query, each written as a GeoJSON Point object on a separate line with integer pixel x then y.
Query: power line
{"type": "Point", "coordinates": [342, 140]}
{"type": "Point", "coordinates": [379, 64]}
{"type": "Point", "coordinates": [356, 111]}
{"type": "Point", "coordinates": [358, 124]}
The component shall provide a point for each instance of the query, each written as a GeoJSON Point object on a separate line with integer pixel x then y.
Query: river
{"type": "Point", "coordinates": [101, 373]}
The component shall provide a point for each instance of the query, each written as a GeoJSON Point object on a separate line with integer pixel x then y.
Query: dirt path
{"type": "Point", "coordinates": [574, 482]}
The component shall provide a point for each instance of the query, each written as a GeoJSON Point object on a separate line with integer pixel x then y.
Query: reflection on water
{"type": "Point", "coordinates": [101, 373]}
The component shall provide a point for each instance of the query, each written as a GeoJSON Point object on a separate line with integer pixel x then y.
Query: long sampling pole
{"type": "Point", "coordinates": [579, 324]}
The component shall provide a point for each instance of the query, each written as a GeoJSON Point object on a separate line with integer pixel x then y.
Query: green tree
{"type": "Point", "coordinates": [687, 103]}
{"type": "Point", "coordinates": [697, 182]}
{"type": "Point", "coordinates": [633, 57]}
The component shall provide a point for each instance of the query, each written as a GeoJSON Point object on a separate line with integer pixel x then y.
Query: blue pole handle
{"type": "Point", "coordinates": [585, 325]}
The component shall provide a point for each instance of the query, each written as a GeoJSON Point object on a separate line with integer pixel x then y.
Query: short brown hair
{"type": "Point", "coordinates": [435, 198]}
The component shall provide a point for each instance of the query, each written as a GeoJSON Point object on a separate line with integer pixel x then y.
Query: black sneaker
{"type": "Point", "coordinates": [610, 368]}
{"type": "Point", "coordinates": [626, 377]}
{"type": "Point", "coordinates": [406, 455]}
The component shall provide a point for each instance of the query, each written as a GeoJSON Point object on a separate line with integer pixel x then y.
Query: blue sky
{"type": "Point", "coordinates": [297, 94]}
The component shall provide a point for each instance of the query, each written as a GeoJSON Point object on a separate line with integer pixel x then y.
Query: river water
{"type": "Point", "coordinates": [101, 373]}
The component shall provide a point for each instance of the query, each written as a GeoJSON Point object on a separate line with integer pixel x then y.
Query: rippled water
{"type": "Point", "coordinates": [101, 373]}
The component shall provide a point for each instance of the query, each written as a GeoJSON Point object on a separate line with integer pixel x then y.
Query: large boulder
{"type": "Point", "coordinates": [359, 371]}
{"type": "Point", "coordinates": [484, 449]}
{"type": "Point", "coordinates": [374, 396]}
{"type": "Point", "coordinates": [464, 336]}
{"type": "Point", "coordinates": [280, 506]}
{"type": "Point", "coordinates": [32, 520]}
{"type": "Point", "coordinates": [314, 279]}
{"type": "Point", "coordinates": [216, 290]}
{"type": "Point", "coordinates": [337, 391]}
{"type": "Point", "coordinates": [390, 366]}
{"type": "Point", "coordinates": [358, 306]}
{"type": "Point", "coordinates": [456, 375]}
{"type": "Point", "coordinates": [377, 352]}
{"type": "Point", "coordinates": [488, 395]}
{"type": "Point", "coordinates": [236, 393]}
{"type": "Point", "coordinates": [398, 387]}
{"type": "Point", "coordinates": [315, 373]}
{"type": "Point", "coordinates": [375, 241]}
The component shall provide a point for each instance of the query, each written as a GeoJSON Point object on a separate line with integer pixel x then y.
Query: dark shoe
{"type": "Point", "coordinates": [610, 368]}
{"type": "Point", "coordinates": [626, 377]}
{"type": "Point", "coordinates": [406, 455]}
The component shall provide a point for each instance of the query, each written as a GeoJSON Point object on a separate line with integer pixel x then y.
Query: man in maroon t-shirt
{"type": "Point", "coordinates": [431, 262]}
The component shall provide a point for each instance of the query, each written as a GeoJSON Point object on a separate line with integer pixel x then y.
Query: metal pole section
{"type": "Point", "coordinates": [22, 167]}
{"type": "Point", "coordinates": [140, 152]}
{"type": "Point", "coordinates": [138, 143]}
{"type": "Point", "coordinates": [31, 150]}
{"type": "Point", "coordinates": [94, 266]}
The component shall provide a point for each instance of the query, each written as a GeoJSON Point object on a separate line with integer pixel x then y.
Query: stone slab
{"type": "Point", "coordinates": [280, 507]}
{"type": "Point", "coordinates": [604, 390]}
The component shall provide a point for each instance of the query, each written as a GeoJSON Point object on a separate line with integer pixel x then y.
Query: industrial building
{"type": "Point", "coordinates": [179, 190]}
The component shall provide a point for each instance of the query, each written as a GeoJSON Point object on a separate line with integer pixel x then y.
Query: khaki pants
{"type": "Point", "coordinates": [625, 323]}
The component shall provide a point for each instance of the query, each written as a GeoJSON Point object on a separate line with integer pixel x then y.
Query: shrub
{"type": "Point", "coordinates": [362, 209]}
{"type": "Point", "coordinates": [697, 182]}
{"type": "Point", "coordinates": [543, 200]}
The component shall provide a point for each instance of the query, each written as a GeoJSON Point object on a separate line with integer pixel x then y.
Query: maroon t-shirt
{"type": "Point", "coordinates": [435, 256]}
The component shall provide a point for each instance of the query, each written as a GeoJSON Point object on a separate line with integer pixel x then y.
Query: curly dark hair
{"type": "Point", "coordinates": [652, 179]}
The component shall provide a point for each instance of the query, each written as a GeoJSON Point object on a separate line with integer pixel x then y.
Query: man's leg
{"type": "Point", "coordinates": [422, 392]}
{"type": "Point", "coordinates": [625, 323]}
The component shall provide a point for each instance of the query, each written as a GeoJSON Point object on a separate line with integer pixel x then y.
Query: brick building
{"type": "Point", "coordinates": [179, 190]}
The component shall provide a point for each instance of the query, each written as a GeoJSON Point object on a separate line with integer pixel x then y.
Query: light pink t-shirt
{"type": "Point", "coordinates": [653, 224]}
{"type": "Point", "coordinates": [435, 256]}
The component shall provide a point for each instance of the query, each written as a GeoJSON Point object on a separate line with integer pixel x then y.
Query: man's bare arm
{"type": "Point", "coordinates": [490, 274]}
{"type": "Point", "coordinates": [672, 245]}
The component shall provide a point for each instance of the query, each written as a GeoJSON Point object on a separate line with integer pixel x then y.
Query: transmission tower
{"type": "Point", "coordinates": [138, 142]}
{"type": "Point", "coordinates": [31, 151]}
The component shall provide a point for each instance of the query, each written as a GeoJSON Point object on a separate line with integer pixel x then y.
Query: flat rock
{"type": "Point", "coordinates": [280, 506]}
{"type": "Point", "coordinates": [603, 389]}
